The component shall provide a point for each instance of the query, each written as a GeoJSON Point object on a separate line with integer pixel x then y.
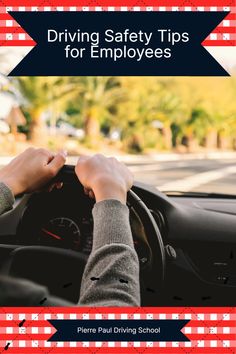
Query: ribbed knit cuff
{"type": "Point", "coordinates": [7, 198]}
{"type": "Point", "coordinates": [111, 224]}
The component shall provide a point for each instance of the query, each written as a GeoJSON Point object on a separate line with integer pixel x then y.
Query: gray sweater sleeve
{"type": "Point", "coordinates": [111, 276]}
{"type": "Point", "coordinates": [6, 198]}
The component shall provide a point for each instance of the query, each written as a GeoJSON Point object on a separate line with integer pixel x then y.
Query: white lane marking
{"type": "Point", "coordinates": [154, 167]}
{"type": "Point", "coordinates": [189, 183]}
{"type": "Point", "coordinates": [143, 168]}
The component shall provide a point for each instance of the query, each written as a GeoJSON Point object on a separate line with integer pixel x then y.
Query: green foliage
{"type": "Point", "coordinates": [151, 113]}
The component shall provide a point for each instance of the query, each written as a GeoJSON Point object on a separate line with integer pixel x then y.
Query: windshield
{"type": "Point", "coordinates": [175, 133]}
{"type": "Point", "coordinates": [216, 174]}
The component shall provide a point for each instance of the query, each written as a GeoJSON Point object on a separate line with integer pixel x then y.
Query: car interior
{"type": "Point", "coordinates": [186, 243]}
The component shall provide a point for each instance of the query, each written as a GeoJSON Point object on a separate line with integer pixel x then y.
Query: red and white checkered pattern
{"type": "Point", "coordinates": [11, 34]}
{"type": "Point", "coordinates": [210, 330]}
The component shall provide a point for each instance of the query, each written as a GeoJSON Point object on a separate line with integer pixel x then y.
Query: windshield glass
{"type": "Point", "coordinates": [175, 133]}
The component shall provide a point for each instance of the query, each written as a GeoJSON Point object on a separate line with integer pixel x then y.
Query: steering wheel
{"type": "Point", "coordinates": [25, 261]}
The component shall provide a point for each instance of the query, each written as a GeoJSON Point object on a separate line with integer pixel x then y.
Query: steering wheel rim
{"type": "Point", "coordinates": [154, 275]}
{"type": "Point", "coordinates": [67, 174]}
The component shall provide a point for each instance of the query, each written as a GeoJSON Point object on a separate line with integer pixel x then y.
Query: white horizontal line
{"type": "Point", "coordinates": [154, 167]}
{"type": "Point", "coordinates": [189, 183]}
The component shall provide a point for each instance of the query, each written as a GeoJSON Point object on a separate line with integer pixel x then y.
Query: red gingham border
{"type": "Point", "coordinates": [11, 34]}
{"type": "Point", "coordinates": [129, 3]}
{"type": "Point", "coordinates": [210, 330]}
{"type": "Point", "coordinates": [208, 326]}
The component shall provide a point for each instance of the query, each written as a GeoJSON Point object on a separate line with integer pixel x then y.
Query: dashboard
{"type": "Point", "coordinates": [199, 235]}
{"type": "Point", "coordinates": [58, 219]}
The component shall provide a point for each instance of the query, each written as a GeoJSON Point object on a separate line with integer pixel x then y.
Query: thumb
{"type": "Point", "coordinates": [58, 161]}
{"type": "Point", "coordinates": [82, 158]}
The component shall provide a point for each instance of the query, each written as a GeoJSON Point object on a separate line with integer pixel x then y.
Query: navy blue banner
{"type": "Point", "coordinates": [119, 330]}
{"type": "Point", "coordinates": [119, 43]}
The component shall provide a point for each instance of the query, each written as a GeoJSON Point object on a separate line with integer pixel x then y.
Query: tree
{"type": "Point", "coordinates": [40, 94]}
{"type": "Point", "coordinates": [149, 100]}
{"type": "Point", "coordinates": [207, 109]}
{"type": "Point", "coordinates": [150, 112]}
{"type": "Point", "coordinates": [197, 128]}
{"type": "Point", "coordinates": [98, 99]}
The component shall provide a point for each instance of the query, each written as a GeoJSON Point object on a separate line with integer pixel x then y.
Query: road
{"type": "Point", "coordinates": [196, 174]}
{"type": "Point", "coordinates": [199, 175]}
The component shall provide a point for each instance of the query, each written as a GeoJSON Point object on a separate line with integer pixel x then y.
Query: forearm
{"type": "Point", "coordinates": [111, 276]}
{"type": "Point", "coordinates": [6, 198]}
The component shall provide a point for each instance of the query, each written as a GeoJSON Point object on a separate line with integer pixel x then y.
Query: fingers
{"type": "Point", "coordinates": [82, 159]}
{"type": "Point", "coordinates": [103, 178]}
{"type": "Point", "coordinates": [86, 191]}
{"type": "Point", "coordinates": [57, 162]}
{"type": "Point", "coordinates": [57, 185]}
{"type": "Point", "coordinates": [43, 155]}
{"type": "Point", "coordinates": [89, 192]}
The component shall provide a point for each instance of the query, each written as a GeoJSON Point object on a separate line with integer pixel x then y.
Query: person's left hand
{"type": "Point", "coordinates": [31, 170]}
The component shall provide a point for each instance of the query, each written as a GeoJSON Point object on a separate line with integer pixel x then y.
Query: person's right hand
{"type": "Point", "coordinates": [104, 178]}
{"type": "Point", "coordinates": [31, 170]}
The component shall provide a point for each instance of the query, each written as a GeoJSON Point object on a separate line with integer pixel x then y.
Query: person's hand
{"type": "Point", "coordinates": [31, 170]}
{"type": "Point", "coordinates": [104, 178]}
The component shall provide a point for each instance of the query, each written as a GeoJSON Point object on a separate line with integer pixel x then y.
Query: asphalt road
{"type": "Point", "coordinates": [217, 175]}
{"type": "Point", "coordinates": [199, 175]}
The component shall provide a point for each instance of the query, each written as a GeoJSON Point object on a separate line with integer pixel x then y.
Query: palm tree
{"type": "Point", "coordinates": [167, 108]}
{"type": "Point", "coordinates": [98, 98]}
{"type": "Point", "coordinates": [149, 100]}
{"type": "Point", "coordinates": [40, 94]}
